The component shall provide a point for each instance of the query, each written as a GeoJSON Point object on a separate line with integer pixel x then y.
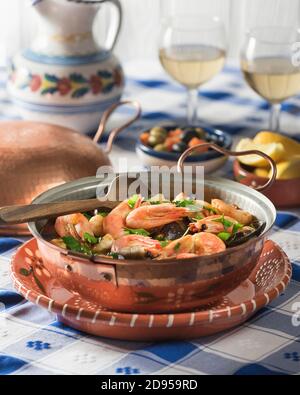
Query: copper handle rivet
{"type": "Point", "coordinates": [68, 268]}
{"type": "Point", "coordinates": [106, 276]}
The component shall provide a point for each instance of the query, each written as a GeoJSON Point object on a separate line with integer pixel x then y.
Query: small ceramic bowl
{"type": "Point", "coordinates": [210, 160]}
{"type": "Point", "coordinates": [283, 193]}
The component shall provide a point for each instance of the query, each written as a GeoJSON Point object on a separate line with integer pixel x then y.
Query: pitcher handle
{"type": "Point", "coordinates": [232, 153]}
{"type": "Point", "coordinates": [114, 28]}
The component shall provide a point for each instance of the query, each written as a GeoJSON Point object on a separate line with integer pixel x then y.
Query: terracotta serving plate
{"type": "Point", "coordinates": [268, 279]}
{"type": "Point", "coordinates": [283, 193]}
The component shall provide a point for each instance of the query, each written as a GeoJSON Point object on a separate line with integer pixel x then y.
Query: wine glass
{"type": "Point", "coordinates": [192, 50]}
{"type": "Point", "coordinates": [269, 66]}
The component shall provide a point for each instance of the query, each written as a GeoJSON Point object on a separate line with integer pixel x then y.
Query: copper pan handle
{"type": "Point", "coordinates": [113, 134]}
{"type": "Point", "coordinates": [232, 153]}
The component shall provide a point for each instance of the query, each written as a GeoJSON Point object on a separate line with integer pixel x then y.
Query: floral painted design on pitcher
{"type": "Point", "coordinates": [65, 77]}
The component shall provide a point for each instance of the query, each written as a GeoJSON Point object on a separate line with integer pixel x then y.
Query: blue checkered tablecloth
{"type": "Point", "coordinates": [32, 341]}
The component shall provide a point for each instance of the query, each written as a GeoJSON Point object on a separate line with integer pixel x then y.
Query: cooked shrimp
{"type": "Point", "coordinates": [115, 221]}
{"type": "Point", "coordinates": [193, 245]}
{"type": "Point", "coordinates": [75, 225]}
{"type": "Point", "coordinates": [136, 245]}
{"type": "Point", "coordinates": [207, 244]}
{"type": "Point", "coordinates": [210, 224]}
{"type": "Point", "coordinates": [148, 217]}
{"type": "Point", "coordinates": [184, 245]}
{"type": "Point", "coordinates": [242, 216]}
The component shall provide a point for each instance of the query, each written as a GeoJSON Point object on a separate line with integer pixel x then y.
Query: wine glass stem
{"type": "Point", "coordinates": [274, 117]}
{"type": "Point", "coordinates": [192, 105]}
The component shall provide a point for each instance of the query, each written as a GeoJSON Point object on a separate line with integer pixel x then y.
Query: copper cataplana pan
{"type": "Point", "coordinates": [165, 285]}
{"type": "Point", "coordinates": [37, 156]}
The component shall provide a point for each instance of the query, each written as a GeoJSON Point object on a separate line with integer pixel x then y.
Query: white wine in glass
{"type": "Point", "coordinates": [192, 51]}
{"type": "Point", "coordinates": [268, 66]}
{"type": "Point", "coordinates": [192, 65]}
{"type": "Point", "coordinates": [273, 78]}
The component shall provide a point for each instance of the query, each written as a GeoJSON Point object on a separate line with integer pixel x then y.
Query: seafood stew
{"type": "Point", "coordinates": [157, 229]}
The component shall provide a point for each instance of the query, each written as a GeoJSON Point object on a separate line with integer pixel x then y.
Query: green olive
{"type": "Point", "coordinates": [155, 139]}
{"type": "Point", "coordinates": [160, 147]}
{"type": "Point", "coordinates": [157, 130]}
{"type": "Point", "coordinates": [201, 133]}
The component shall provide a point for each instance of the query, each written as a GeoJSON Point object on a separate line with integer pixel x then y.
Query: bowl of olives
{"type": "Point", "coordinates": [163, 145]}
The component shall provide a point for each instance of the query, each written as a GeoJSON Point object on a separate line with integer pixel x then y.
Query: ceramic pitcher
{"type": "Point", "coordinates": [65, 77]}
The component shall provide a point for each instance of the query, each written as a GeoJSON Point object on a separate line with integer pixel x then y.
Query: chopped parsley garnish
{"type": "Point", "coordinates": [224, 235]}
{"type": "Point", "coordinates": [198, 217]}
{"type": "Point", "coordinates": [90, 238]}
{"type": "Point", "coordinates": [132, 201]}
{"type": "Point", "coordinates": [210, 209]}
{"type": "Point", "coordinates": [164, 243]}
{"type": "Point", "coordinates": [114, 255]}
{"type": "Point", "coordinates": [236, 227]}
{"type": "Point", "coordinates": [223, 221]}
{"type": "Point", "coordinates": [141, 232]}
{"type": "Point", "coordinates": [75, 245]}
{"type": "Point", "coordinates": [184, 203]}
{"type": "Point", "coordinates": [227, 224]}
{"type": "Point", "coordinates": [177, 246]}
{"type": "Point", "coordinates": [87, 216]}
{"type": "Point", "coordinates": [155, 202]}
{"type": "Point", "coordinates": [103, 213]}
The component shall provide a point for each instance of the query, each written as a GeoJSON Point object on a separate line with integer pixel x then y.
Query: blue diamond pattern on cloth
{"type": "Point", "coordinates": [172, 351]}
{"type": "Point", "coordinates": [286, 359]}
{"type": "Point", "coordinates": [10, 298]}
{"type": "Point", "coordinates": [285, 219]}
{"type": "Point", "coordinates": [257, 369]}
{"type": "Point", "coordinates": [296, 271]}
{"type": "Point", "coordinates": [215, 95]}
{"type": "Point", "coordinates": [7, 244]}
{"type": "Point", "coordinates": [38, 345]}
{"type": "Point", "coordinates": [10, 364]}
{"type": "Point", "coordinates": [127, 370]}
{"type": "Point", "coordinates": [152, 83]}
{"type": "Point", "coordinates": [294, 356]}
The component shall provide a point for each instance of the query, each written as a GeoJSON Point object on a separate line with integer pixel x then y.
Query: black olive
{"type": "Point", "coordinates": [188, 135]}
{"type": "Point", "coordinates": [213, 138]}
{"type": "Point", "coordinates": [179, 147]}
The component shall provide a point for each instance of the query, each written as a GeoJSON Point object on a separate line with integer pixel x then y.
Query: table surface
{"type": "Point", "coordinates": [32, 341]}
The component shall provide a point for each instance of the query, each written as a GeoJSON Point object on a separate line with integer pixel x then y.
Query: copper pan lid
{"type": "Point", "coordinates": [35, 157]}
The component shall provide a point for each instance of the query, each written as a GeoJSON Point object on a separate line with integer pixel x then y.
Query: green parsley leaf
{"type": "Point", "coordinates": [184, 203]}
{"type": "Point", "coordinates": [90, 238]}
{"type": "Point", "coordinates": [75, 245]}
{"type": "Point", "coordinates": [177, 246]}
{"type": "Point", "coordinates": [114, 255]}
{"type": "Point", "coordinates": [224, 235]}
{"type": "Point", "coordinates": [164, 243]}
{"type": "Point", "coordinates": [141, 232]}
{"type": "Point", "coordinates": [103, 213]}
{"type": "Point", "coordinates": [223, 221]}
{"type": "Point", "coordinates": [197, 217]}
{"type": "Point", "coordinates": [236, 227]}
{"type": "Point", "coordinates": [132, 201]}
{"type": "Point", "coordinates": [87, 216]}
{"type": "Point", "coordinates": [210, 209]}
{"type": "Point", "coordinates": [72, 243]}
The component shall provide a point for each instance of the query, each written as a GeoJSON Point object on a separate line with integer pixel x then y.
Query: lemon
{"type": "Point", "coordinates": [291, 146]}
{"type": "Point", "coordinates": [288, 169]}
{"type": "Point", "coordinates": [275, 150]}
{"type": "Point", "coordinates": [261, 172]}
